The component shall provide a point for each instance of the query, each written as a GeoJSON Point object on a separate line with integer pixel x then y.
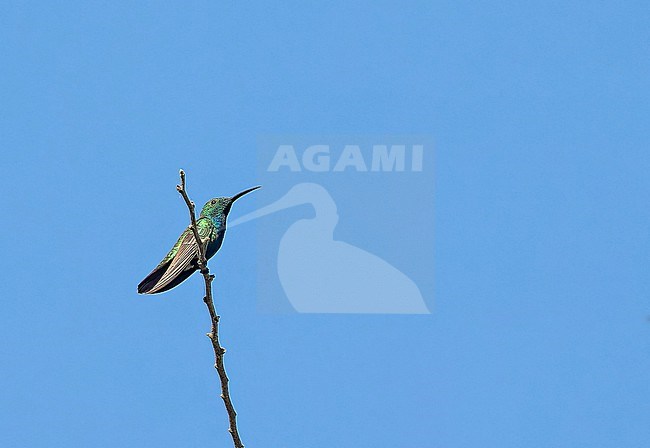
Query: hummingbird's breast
{"type": "Point", "coordinates": [218, 220]}
{"type": "Point", "coordinates": [216, 239]}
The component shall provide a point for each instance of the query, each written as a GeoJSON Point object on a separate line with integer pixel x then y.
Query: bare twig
{"type": "Point", "coordinates": [214, 318]}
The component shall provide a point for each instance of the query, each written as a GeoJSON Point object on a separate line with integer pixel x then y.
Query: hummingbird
{"type": "Point", "coordinates": [182, 259]}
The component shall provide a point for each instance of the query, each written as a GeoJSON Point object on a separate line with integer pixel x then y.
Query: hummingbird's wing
{"type": "Point", "coordinates": [179, 263]}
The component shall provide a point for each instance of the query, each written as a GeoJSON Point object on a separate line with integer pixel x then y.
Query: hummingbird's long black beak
{"type": "Point", "coordinates": [239, 195]}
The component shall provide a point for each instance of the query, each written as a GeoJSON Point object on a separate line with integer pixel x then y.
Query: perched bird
{"type": "Point", "coordinates": [182, 259]}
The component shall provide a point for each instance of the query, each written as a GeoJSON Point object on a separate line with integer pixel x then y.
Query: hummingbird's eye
{"type": "Point", "coordinates": [214, 201]}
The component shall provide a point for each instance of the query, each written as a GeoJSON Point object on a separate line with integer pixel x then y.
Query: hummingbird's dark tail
{"type": "Point", "coordinates": [150, 284]}
{"type": "Point", "coordinates": [150, 280]}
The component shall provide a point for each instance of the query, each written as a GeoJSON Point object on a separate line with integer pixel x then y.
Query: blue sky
{"type": "Point", "coordinates": [539, 111]}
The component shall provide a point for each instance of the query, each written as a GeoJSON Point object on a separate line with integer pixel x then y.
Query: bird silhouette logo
{"type": "Point", "coordinates": [322, 275]}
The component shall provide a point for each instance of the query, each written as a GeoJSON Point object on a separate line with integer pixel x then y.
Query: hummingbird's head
{"type": "Point", "coordinates": [217, 209]}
